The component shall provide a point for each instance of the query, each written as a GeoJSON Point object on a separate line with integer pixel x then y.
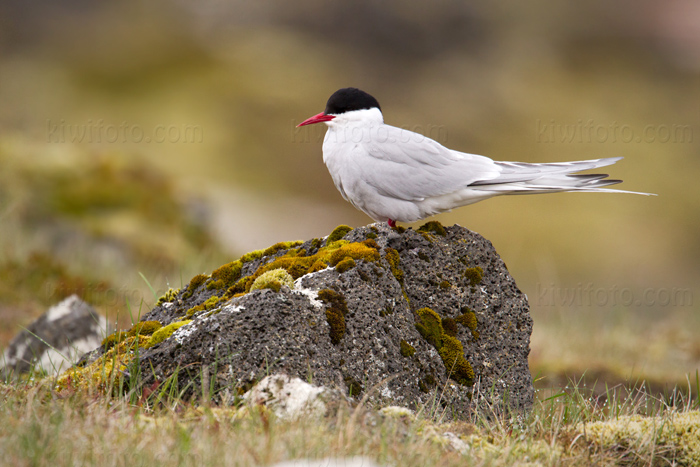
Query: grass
{"type": "Point", "coordinates": [122, 425]}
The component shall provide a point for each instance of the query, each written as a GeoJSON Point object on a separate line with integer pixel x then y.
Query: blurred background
{"type": "Point", "coordinates": [145, 143]}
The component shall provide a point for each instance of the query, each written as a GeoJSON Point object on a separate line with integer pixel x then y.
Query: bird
{"type": "Point", "coordinates": [395, 175]}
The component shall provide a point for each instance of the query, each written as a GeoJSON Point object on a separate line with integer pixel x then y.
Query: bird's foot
{"type": "Point", "coordinates": [392, 223]}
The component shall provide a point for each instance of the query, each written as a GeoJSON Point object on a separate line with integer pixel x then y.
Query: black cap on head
{"type": "Point", "coordinates": [349, 99]}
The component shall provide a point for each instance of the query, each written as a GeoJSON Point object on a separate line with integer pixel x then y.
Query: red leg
{"type": "Point", "coordinates": [391, 222]}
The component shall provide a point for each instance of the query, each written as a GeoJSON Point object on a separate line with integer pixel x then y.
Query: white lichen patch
{"type": "Point", "coordinates": [312, 295]}
{"type": "Point", "coordinates": [232, 308]}
{"type": "Point", "coordinates": [185, 331]}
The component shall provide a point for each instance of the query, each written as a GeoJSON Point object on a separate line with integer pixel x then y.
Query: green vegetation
{"type": "Point", "coordinates": [392, 256]}
{"type": "Point", "coordinates": [468, 320]}
{"type": "Point", "coordinates": [93, 417]}
{"type": "Point", "coordinates": [335, 313]}
{"type": "Point", "coordinates": [450, 349]}
{"type": "Point", "coordinates": [163, 333]}
{"type": "Point", "coordinates": [474, 275]}
{"type": "Point", "coordinates": [433, 227]}
{"type": "Point", "coordinates": [406, 349]}
{"type": "Point", "coordinates": [338, 233]}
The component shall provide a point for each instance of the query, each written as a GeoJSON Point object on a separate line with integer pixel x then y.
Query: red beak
{"type": "Point", "coordinates": [322, 117]}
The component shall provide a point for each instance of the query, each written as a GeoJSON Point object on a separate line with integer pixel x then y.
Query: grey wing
{"type": "Point", "coordinates": [409, 166]}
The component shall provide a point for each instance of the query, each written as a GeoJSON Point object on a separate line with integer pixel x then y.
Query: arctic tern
{"type": "Point", "coordinates": [392, 174]}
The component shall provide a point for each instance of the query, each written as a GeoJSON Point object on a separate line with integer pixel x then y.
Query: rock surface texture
{"type": "Point", "coordinates": [55, 340]}
{"type": "Point", "coordinates": [416, 318]}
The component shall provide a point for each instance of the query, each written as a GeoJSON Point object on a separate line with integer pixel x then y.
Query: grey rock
{"type": "Point", "coordinates": [264, 332]}
{"type": "Point", "coordinates": [55, 340]}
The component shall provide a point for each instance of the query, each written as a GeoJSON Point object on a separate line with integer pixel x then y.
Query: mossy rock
{"type": "Point", "coordinates": [273, 279]}
{"type": "Point", "coordinates": [433, 227]}
{"type": "Point", "coordinates": [338, 233]}
{"type": "Point", "coordinates": [165, 332]}
{"type": "Point", "coordinates": [406, 349]}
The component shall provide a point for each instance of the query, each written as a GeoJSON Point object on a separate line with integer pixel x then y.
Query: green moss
{"type": "Point", "coordinates": [445, 285]}
{"type": "Point", "coordinates": [144, 328]}
{"type": "Point", "coordinates": [333, 299]}
{"type": "Point", "coordinates": [113, 339]}
{"type": "Point", "coordinates": [225, 276]}
{"type": "Point", "coordinates": [430, 327]}
{"type": "Point", "coordinates": [251, 256]}
{"type": "Point", "coordinates": [423, 256]}
{"type": "Point", "coordinates": [168, 296]}
{"type": "Point", "coordinates": [474, 275]}
{"type": "Point", "coordinates": [336, 321]}
{"type": "Point", "coordinates": [449, 325]}
{"type": "Point", "coordinates": [344, 265]}
{"type": "Point", "coordinates": [370, 242]}
{"type": "Point", "coordinates": [335, 313]}
{"type": "Point", "coordinates": [467, 319]}
{"type": "Point", "coordinates": [407, 349]}
{"type": "Point", "coordinates": [210, 304]}
{"type": "Point", "coordinates": [190, 313]}
{"type": "Point", "coordinates": [280, 246]}
{"type": "Point", "coordinates": [392, 256]}
{"type": "Point", "coordinates": [163, 333]}
{"type": "Point", "coordinates": [371, 235]}
{"type": "Point", "coordinates": [450, 349]}
{"type": "Point", "coordinates": [355, 251]}
{"type": "Point", "coordinates": [338, 233]}
{"type": "Point", "coordinates": [273, 279]}
{"type": "Point", "coordinates": [434, 227]}
{"type": "Point", "coordinates": [296, 262]}
{"type": "Point", "coordinates": [452, 354]}
{"type": "Point", "coordinates": [195, 282]}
